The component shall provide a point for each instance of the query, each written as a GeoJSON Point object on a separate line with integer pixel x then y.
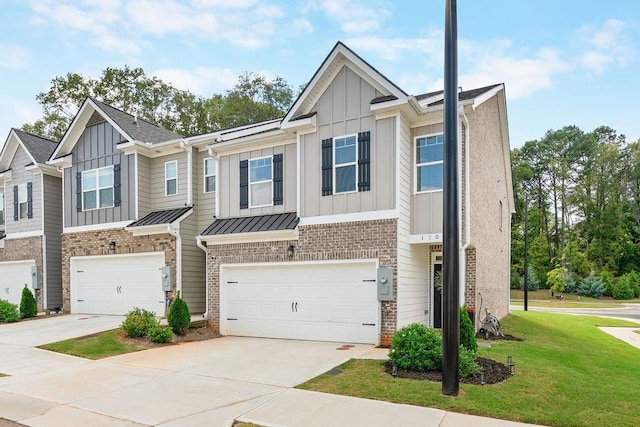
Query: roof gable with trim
{"type": "Point", "coordinates": [38, 149]}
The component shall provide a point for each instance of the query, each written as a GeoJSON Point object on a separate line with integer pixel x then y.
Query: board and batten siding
{"type": "Point", "coordinates": [193, 266]}
{"type": "Point", "coordinates": [159, 201]}
{"type": "Point", "coordinates": [20, 176]}
{"type": "Point", "coordinates": [96, 148]}
{"type": "Point", "coordinates": [52, 198]}
{"type": "Point", "coordinates": [205, 202]}
{"type": "Point", "coordinates": [345, 109]}
{"type": "Point", "coordinates": [229, 188]}
{"type": "Point", "coordinates": [426, 208]}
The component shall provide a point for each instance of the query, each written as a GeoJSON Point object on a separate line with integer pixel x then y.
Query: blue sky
{"type": "Point", "coordinates": [564, 62]}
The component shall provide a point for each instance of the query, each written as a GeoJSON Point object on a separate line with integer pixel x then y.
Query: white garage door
{"type": "Point", "coordinates": [13, 276]}
{"type": "Point", "coordinates": [324, 302]}
{"type": "Point", "coordinates": [116, 284]}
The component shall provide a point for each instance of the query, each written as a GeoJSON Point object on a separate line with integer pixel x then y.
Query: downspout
{"type": "Point", "coordinates": [203, 246]}
{"type": "Point", "coordinates": [184, 145]}
{"type": "Point", "coordinates": [175, 232]}
{"type": "Point", "coordinates": [467, 204]}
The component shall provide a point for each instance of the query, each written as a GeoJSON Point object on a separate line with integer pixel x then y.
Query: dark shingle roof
{"type": "Point", "coordinates": [247, 224]}
{"type": "Point", "coordinates": [142, 131]}
{"type": "Point", "coordinates": [383, 99]}
{"type": "Point", "coordinates": [160, 217]}
{"type": "Point", "coordinates": [2, 235]}
{"type": "Point", "coordinates": [40, 148]}
{"type": "Point", "coordinates": [462, 96]}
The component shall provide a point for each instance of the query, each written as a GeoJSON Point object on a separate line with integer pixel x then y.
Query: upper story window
{"type": "Point", "coordinates": [171, 178]}
{"type": "Point", "coordinates": [345, 166]}
{"type": "Point", "coordinates": [23, 206]}
{"type": "Point", "coordinates": [260, 182]}
{"type": "Point", "coordinates": [209, 175]}
{"type": "Point", "coordinates": [429, 163]}
{"type": "Point", "coordinates": [1, 209]}
{"type": "Point", "coordinates": [97, 188]}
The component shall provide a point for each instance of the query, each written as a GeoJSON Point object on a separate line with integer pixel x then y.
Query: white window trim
{"type": "Point", "coordinates": [251, 205]}
{"type": "Point", "coordinates": [354, 163]}
{"type": "Point", "coordinates": [166, 179]}
{"type": "Point", "coordinates": [25, 201]}
{"type": "Point", "coordinates": [2, 219]}
{"type": "Point", "coordinates": [98, 188]}
{"type": "Point", "coordinates": [416, 165]}
{"type": "Point", "coordinates": [205, 176]}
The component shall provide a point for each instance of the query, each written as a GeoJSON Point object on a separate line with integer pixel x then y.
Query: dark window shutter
{"type": "Point", "coordinates": [79, 191]}
{"type": "Point", "coordinates": [29, 200]}
{"type": "Point", "coordinates": [15, 202]}
{"type": "Point", "coordinates": [244, 184]}
{"type": "Point", "coordinates": [364, 161]}
{"type": "Point", "coordinates": [116, 185]}
{"type": "Point", "coordinates": [278, 196]}
{"type": "Point", "coordinates": [327, 167]}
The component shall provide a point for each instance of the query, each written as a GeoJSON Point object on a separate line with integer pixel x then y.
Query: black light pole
{"type": "Point", "coordinates": [526, 251]}
{"type": "Point", "coordinates": [451, 240]}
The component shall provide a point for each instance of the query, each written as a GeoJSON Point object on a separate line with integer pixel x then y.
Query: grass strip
{"type": "Point", "coordinates": [96, 346]}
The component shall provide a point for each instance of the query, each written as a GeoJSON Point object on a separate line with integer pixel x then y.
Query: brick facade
{"type": "Point", "coordinates": [354, 240]}
{"type": "Point", "coordinates": [97, 243]}
{"type": "Point", "coordinates": [22, 250]}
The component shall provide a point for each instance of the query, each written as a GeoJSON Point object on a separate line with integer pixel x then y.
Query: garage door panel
{"type": "Point", "coordinates": [13, 277]}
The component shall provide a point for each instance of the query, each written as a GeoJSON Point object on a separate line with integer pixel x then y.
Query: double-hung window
{"type": "Point", "coordinates": [1, 208]}
{"type": "Point", "coordinates": [97, 188]}
{"type": "Point", "coordinates": [429, 163]}
{"type": "Point", "coordinates": [209, 175]}
{"type": "Point", "coordinates": [345, 164]}
{"type": "Point", "coordinates": [260, 182]}
{"type": "Point", "coordinates": [171, 178]}
{"type": "Point", "coordinates": [23, 205]}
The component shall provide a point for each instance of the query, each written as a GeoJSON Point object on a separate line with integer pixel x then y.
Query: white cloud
{"type": "Point", "coordinates": [353, 16]}
{"type": "Point", "coordinates": [230, 4]}
{"type": "Point", "coordinates": [392, 49]}
{"type": "Point", "coordinates": [200, 80]}
{"type": "Point", "coordinates": [13, 56]}
{"type": "Point", "coordinates": [303, 24]}
{"type": "Point", "coordinates": [605, 47]}
{"type": "Point", "coordinates": [162, 17]}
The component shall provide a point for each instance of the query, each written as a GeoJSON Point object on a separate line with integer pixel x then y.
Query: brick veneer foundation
{"type": "Point", "coordinates": [350, 240]}
{"type": "Point", "coordinates": [23, 250]}
{"type": "Point", "coordinates": [97, 243]}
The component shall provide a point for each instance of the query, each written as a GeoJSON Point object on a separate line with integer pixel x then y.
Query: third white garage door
{"type": "Point", "coordinates": [115, 284]}
{"type": "Point", "coordinates": [323, 302]}
{"type": "Point", "coordinates": [13, 276]}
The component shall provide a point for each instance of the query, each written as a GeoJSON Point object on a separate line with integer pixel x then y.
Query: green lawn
{"type": "Point", "coordinates": [568, 373]}
{"type": "Point", "coordinates": [98, 346]}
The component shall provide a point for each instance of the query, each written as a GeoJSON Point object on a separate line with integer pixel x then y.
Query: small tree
{"type": "Point", "coordinates": [28, 305]}
{"type": "Point", "coordinates": [179, 317]}
{"type": "Point", "coordinates": [467, 331]}
{"type": "Point", "coordinates": [556, 279]}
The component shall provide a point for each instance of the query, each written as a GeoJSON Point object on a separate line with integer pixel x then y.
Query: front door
{"type": "Point", "coordinates": [436, 279]}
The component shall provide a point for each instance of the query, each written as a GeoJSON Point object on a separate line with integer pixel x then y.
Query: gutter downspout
{"type": "Point", "coordinates": [175, 232]}
{"type": "Point", "coordinates": [203, 246]}
{"type": "Point", "coordinates": [467, 204]}
{"type": "Point", "coordinates": [184, 145]}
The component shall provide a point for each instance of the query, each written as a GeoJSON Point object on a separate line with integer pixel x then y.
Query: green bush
{"type": "Point", "coordinates": [467, 362]}
{"type": "Point", "coordinates": [417, 348]}
{"type": "Point", "coordinates": [138, 322]}
{"type": "Point", "coordinates": [28, 305]}
{"type": "Point", "coordinates": [591, 286]}
{"type": "Point", "coordinates": [623, 289]}
{"type": "Point", "coordinates": [534, 282]}
{"type": "Point", "coordinates": [179, 317]}
{"type": "Point", "coordinates": [467, 331]}
{"type": "Point", "coordinates": [607, 281]}
{"type": "Point", "coordinates": [159, 334]}
{"type": "Point", "coordinates": [556, 279]}
{"type": "Point", "coordinates": [8, 312]}
{"type": "Point", "coordinates": [632, 280]}
{"type": "Point", "coordinates": [570, 284]}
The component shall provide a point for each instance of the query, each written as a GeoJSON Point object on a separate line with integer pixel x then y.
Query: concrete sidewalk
{"type": "Point", "coordinates": [625, 334]}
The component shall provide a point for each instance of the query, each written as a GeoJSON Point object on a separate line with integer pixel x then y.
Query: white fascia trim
{"type": "Point", "coordinates": [171, 228]}
{"type": "Point", "coordinates": [396, 103]}
{"type": "Point", "coordinates": [6, 176]}
{"type": "Point", "coordinates": [96, 227]}
{"type": "Point", "coordinates": [350, 217]}
{"type": "Point", "coordinates": [62, 162]}
{"type": "Point", "coordinates": [252, 142]}
{"type": "Point", "coordinates": [152, 151]}
{"type": "Point", "coordinates": [308, 124]}
{"type": "Point", "coordinates": [480, 99]}
{"type": "Point", "coordinates": [256, 236]}
{"type": "Point", "coordinates": [415, 239]}
{"type": "Point", "coordinates": [41, 169]}
{"type": "Point", "coordinates": [24, 234]}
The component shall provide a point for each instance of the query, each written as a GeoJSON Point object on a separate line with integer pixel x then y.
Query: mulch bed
{"type": "Point", "coordinates": [493, 372]}
{"type": "Point", "coordinates": [492, 337]}
{"type": "Point", "coordinates": [199, 333]}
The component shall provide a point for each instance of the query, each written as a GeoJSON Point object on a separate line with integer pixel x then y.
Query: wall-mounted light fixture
{"type": "Point", "coordinates": [291, 250]}
{"type": "Point", "coordinates": [112, 246]}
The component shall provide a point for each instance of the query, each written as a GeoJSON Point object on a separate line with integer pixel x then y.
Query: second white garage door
{"type": "Point", "coordinates": [116, 284]}
{"type": "Point", "coordinates": [324, 302]}
{"type": "Point", "coordinates": [13, 276]}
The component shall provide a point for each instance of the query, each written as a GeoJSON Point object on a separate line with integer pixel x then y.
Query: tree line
{"type": "Point", "coordinates": [583, 203]}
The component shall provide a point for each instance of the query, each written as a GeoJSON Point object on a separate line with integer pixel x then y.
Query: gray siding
{"type": "Point", "coordinates": [193, 266]}
{"type": "Point", "coordinates": [21, 176]}
{"type": "Point", "coordinates": [205, 203]}
{"type": "Point", "coordinates": [158, 199]}
{"type": "Point", "coordinates": [3, 209]}
{"type": "Point", "coordinates": [144, 185]}
{"type": "Point", "coordinates": [426, 208]}
{"type": "Point", "coordinates": [97, 148]}
{"type": "Point", "coordinates": [53, 231]}
{"type": "Point", "coordinates": [229, 188]}
{"type": "Point", "coordinates": [344, 109]}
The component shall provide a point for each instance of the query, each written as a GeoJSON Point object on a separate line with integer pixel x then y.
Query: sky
{"type": "Point", "coordinates": [569, 62]}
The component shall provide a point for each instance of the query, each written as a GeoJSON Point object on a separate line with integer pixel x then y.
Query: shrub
{"type": "Point", "coordinates": [623, 289]}
{"type": "Point", "coordinates": [607, 281]}
{"type": "Point", "coordinates": [8, 312]}
{"type": "Point", "coordinates": [467, 331]}
{"type": "Point", "coordinates": [467, 362]}
{"type": "Point", "coordinates": [534, 282]}
{"type": "Point", "coordinates": [570, 284]}
{"type": "Point", "coordinates": [159, 334]}
{"type": "Point", "coordinates": [632, 280]}
{"type": "Point", "coordinates": [417, 348]}
{"type": "Point", "coordinates": [591, 286]}
{"type": "Point", "coordinates": [179, 317]}
{"type": "Point", "coordinates": [138, 322]}
{"type": "Point", "coordinates": [28, 305]}
{"type": "Point", "coordinates": [556, 279]}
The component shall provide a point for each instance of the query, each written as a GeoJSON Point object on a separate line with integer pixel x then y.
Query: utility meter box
{"type": "Point", "coordinates": [385, 284]}
{"type": "Point", "coordinates": [167, 278]}
{"type": "Point", "coordinates": [35, 277]}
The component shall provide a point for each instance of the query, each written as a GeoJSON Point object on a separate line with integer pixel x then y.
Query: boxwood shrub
{"type": "Point", "coordinates": [138, 322]}
{"type": "Point", "coordinates": [8, 312]}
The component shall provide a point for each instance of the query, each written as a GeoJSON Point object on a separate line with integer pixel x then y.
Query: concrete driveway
{"type": "Point", "coordinates": [208, 383]}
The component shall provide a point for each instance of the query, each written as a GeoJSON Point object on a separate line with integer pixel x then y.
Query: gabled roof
{"type": "Point", "coordinates": [160, 217]}
{"type": "Point", "coordinates": [251, 224]}
{"type": "Point", "coordinates": [38, 149]}
{"type": "Point", "coordinates": [462, 96]}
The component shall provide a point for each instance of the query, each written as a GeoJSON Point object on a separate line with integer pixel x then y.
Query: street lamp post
{"type": "Point", "coordinates": [526, 251]}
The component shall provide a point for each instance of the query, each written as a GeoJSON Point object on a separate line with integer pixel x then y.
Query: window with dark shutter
{"type": "Point", "coordinates": [15, 202]}
{"type": "Point", "coordinates": [29, 200]}
{"type": "Point", "coordinates": [244, 184]}
{"type": "Point", "coordinates": [79, 191]}
{"type": "Point", "coordinates": [327, 167]}
{"type": "Point", "coordinates": [116, 185]}
{"type": "Point", "coordinates": [278, 196]}
{"type": "Point", "coordinates": [364, 161]}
